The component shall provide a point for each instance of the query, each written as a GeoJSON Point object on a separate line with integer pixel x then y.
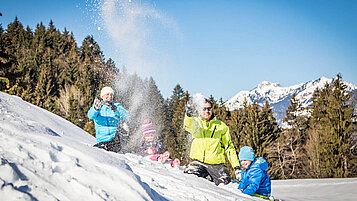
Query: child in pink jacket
{"type": "Point", "coordinates": [152, 145]}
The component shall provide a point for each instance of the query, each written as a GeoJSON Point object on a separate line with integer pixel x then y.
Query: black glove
{"type": "Point", "coordinates": [110, 105]}
{"type": "Point", "coordinates": [97, 104]}
{"type": "Point", "coordinates": [238, 173]}
{"type": "Point", "coordinates": [189, 108]}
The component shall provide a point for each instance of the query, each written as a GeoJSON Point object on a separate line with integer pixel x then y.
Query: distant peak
{"type": "Point", "coordinates": [322, 79]}
{"type": "Point", "coordinates": [266, 83]}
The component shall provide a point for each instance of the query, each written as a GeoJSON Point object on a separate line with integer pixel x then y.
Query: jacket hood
{"type": "Point", "coordinates": [260, 163]}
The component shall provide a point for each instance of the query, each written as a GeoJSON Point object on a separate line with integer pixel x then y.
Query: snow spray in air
{"type": "Point", "coordinates": [132, 25]}
{"type": "Point", "coordinates": [198, 102]}
{"type": "Point", "coordinates": [135, 27]}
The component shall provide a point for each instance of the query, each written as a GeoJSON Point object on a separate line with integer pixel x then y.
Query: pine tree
{"type": "Point", "coordinates": [46, 87]}
{"type": "Point", "coordinates": [259, 128]}
{"type": "Point", "coordinates": [86, 85]}
{"type": "Point", "coordinates": [251, 128]}
{"type": "Point", "coordinates": [156, 108]}
{"type": "Point", "coordinates": [236, 123]}
{"type": "Point", "coordinates": [70, 73]}
{"type": "Point", "coordinates": [331, 124]}
{"type": "Point", "coordinates": [180, 140]}
{"type": "Point", "coordinates": [238, 119]}
{"type": "Point", "coordinates": [29, 69]}
{"type": "Point", "coordinates": [4, 62]}
{"type": "Point", "coordinates": [288, 150]}
{"type": "Point", "coordinates": [313, 135]}
{"type": "Point", "coordinates": [91, 50]}
{"type": "Point", "coordinates": [221, 111]}
{"type": "Point", "coordinates": [270, 130]}
{"type": "Point", "coordinates": [14, 44]}
{"type": "Point", "coordinates": [174, 100]}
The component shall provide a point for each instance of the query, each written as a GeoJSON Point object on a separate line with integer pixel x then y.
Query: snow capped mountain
{"type": "Point", "coordinates": [279, 97]}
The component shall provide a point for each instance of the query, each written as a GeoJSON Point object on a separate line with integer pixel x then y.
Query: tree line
{"type": "Point", "coordinates": [47, 68]}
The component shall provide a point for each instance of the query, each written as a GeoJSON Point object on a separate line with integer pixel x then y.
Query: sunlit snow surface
{"type": "Point", "coordinates": [44, 157]}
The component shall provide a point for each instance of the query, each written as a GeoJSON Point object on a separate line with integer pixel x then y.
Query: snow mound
{"type": "Point", "coordinates": [44, 157]}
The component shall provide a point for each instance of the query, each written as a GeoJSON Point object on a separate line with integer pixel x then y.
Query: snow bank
{"type": "Point", "coordinates": [44, 157]}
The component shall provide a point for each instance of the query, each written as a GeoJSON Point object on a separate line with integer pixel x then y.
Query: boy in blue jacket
{"type": "Point", "coordinates": [254, 179]}
{"type": "Point", "coordinates": [106, 116]}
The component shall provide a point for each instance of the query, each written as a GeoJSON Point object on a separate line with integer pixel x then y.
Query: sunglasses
{"type": "Point", "coordinates": [207, 108]}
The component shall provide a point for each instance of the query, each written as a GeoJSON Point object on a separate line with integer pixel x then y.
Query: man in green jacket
{"type": "Point", "coordinates": [210, 141]}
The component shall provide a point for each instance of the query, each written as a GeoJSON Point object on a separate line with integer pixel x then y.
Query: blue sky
{"type": "Point", "coordinates": [210, 47]}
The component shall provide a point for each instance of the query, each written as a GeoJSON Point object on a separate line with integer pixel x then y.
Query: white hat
{"type": "Point", "coordinates": [106, 90]}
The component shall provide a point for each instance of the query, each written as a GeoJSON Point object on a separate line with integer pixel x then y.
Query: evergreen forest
{"type": "Point", "coordinates": [46, 67]}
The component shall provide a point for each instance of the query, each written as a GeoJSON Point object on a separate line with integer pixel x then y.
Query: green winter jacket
{"type": "Point", "coordinates": [210, 140]}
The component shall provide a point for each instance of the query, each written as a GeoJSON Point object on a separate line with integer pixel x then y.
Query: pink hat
{"type": "Point", "coordinates": [148, 128]}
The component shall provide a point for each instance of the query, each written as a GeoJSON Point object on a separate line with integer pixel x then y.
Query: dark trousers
{"type": "Point", "coordinates": [116, 144]}
{"type": "Point", "coordinates": [217, 173]}
{"type": "Point", "coordinates": [113, 145]}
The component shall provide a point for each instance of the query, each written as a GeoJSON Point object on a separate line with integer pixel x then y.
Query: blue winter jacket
{"type": "Point", "coordinates": [106, 121]}
{"type": "Point", "coordinates": [255, 178]}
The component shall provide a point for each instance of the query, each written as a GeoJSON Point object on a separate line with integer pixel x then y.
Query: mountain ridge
{"type": "Point", "coordinates": [279, 96]}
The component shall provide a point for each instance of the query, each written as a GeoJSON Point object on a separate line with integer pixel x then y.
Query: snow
{"type": "Point", "coordinates": [198, 101]}
{"type": "Point", "coordinates": [44, 157]}
{"type": "Point", "coordinates": [275, 93]}
{"type": "Point", "coordinates": [279, 97]}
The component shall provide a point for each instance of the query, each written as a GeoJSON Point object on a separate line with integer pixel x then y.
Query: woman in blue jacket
{"type": "Point", "coordinates": [106, 116]}
{"type": "Point", "coordinates": [255, 180]}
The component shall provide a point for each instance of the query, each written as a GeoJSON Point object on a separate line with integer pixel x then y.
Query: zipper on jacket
{"type": "Point", "coordinates": [204, 136]}
{"type": "Point", "coordinates": [246, 188]}
{"type": "Point", "coordinates": [204, 156]}
{"type": "Point", "coordinates": [213, 131]}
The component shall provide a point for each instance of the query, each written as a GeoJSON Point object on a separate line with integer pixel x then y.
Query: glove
{"type": "Point", "coordinates": [238, 173]}
{"type": "Point", "coordinates": [189, 108]}
{"type": "Point", "coordinates": [150, 151]}
{"type": "Point", "coordinates": [110, 105]}
{"type": "Point", "coordinates": [97, 104]}
{"type": "Point", "coordinates": [125, 127]}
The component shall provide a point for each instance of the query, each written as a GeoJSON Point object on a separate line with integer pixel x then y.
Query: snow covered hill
{"type": "Point", "coordinates": [279, 97]}
{"type": "Point", "coordinates": [44, 157]}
